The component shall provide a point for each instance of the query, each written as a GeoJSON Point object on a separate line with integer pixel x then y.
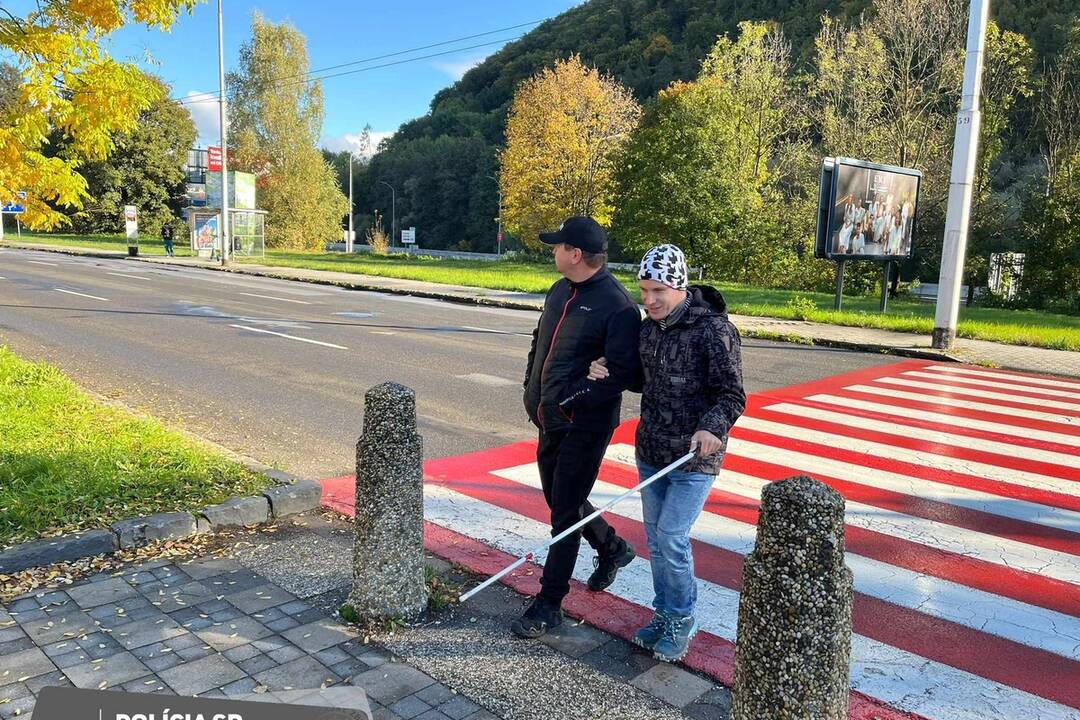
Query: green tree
{"type": "Point", "coordinates": [696, 171]}
{"type": "Point", "coordinates": [564, 135]}
{"type": "Point", "coordinates": [146, 169]}
{"type": "Point", "coordinates": [1052, 213]}
{"type": "Point", "coordinates": [275, 121]}
{"type": "Point", "coordinates": [70, 87]}
{"type": "Point", "coordinates": [886, 90]}
{"type": "Point", "coordinates": [1006, 81]}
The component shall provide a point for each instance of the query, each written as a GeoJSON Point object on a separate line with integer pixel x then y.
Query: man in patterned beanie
{"type": "Point", "coordinates": [692, 394]}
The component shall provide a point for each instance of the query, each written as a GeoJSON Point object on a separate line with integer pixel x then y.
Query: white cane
{"type": "Point", "coordinates": [576, 526]}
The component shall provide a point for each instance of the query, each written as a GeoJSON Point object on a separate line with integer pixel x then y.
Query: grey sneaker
{"type": "Point", "coordinates": [675, 642]}
{"type": "Point", "coordinates": [649, 635]}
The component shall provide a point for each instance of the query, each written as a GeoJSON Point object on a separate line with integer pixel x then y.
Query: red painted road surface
{"type": "Point", "coordinates": [963, 532]}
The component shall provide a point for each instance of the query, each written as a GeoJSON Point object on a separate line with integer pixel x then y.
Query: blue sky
{"type": "Point", "coordinates": [338, 32]}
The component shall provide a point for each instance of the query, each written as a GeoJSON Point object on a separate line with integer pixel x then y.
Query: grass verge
{"type": "Point", "coordinates": [68, 462]}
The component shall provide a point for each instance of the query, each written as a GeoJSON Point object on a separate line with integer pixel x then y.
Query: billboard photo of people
{"type": "Point", "coordinates": [873, 212]}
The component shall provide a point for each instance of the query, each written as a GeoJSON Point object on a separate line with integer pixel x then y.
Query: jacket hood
{"type": "Point", "coordinates": [705, 301]}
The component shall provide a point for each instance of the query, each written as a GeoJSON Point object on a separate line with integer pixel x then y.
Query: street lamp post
{"type": "Point", "coordinates": [965, 151]}
{"type": "Point", "coordinates": [393, 211]}
{"type": "Point", "coordinates": [224, 140]}
{"type": "Point", "coordinates": [349, 237]}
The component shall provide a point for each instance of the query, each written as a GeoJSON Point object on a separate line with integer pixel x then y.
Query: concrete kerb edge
{"type": "Point", "coordinates": [847, 345]}
{"type": "Point", "coordinates": [131, 532]}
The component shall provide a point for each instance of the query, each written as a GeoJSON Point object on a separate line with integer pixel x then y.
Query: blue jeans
{"type": "Point", "coordinates": [671, 506]}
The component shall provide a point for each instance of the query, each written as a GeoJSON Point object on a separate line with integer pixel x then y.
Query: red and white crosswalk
{"type": "Point", "coordinates": [963, 531]}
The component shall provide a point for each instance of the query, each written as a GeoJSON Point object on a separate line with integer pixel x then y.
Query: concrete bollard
{"type": "Point", "coordinates": [388, 556]}
{"type": "Point", "coordinates": [793, 646]}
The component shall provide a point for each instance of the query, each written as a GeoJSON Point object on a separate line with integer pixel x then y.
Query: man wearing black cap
{"type": "Point", "coordinates": [587, 314]}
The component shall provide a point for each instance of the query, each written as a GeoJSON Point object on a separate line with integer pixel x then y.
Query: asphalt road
{"type": "Point", "coordinates": [277, 370]}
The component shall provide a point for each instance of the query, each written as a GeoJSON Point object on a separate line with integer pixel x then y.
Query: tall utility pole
{"type": "Point", "coordinates": [349, 237]}
{"type": "Point", "coordinates": [224, 140]}
{"type": "Point", "coordinates": [965, 152]}
{"type": "Point", "coordinates": [393, 211]}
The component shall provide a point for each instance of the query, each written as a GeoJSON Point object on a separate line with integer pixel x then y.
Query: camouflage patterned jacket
{"type": "Point", "coordinates": [692, 381]}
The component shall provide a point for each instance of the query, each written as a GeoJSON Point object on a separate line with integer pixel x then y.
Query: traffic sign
{"type": "Point", "coordinates": [12, 208]}
{"type": "Point", "coordinates": [408, 237]}
{"type": "Point", "coordinates": [213, 159]}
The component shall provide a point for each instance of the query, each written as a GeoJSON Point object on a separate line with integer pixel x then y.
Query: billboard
{"type": "Point", "coordinates": [205, 238]}
{"type": "Point", "coordinates": [871, 210]}
{"type": "Point", "coordinates": [241, 190]}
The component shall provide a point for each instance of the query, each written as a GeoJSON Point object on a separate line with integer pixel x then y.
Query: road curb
{"type": "Point", "coordinates": [277, 501]}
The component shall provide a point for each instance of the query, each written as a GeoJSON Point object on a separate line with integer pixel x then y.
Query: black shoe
{"type": "Point", "coordinates": [607, 566]}
{"type": "Point", "coordinates": [542, 615]}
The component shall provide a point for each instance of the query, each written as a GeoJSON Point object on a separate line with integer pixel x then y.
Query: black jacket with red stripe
{"type": "Point", "coordinates": [581, 322]}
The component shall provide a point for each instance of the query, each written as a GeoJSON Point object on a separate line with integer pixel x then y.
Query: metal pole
{"type": "Point", "coordinates": [224, 140]}
{"type": "Point", "coordinates": [393, 211]}
{"type": "Point", "coordinates": [965, 151]}
{"type": "Point", "coordinates": [18, 226]}
{"type": "Point", "coordinates": [576, 526]}
{"type": "Point", "coordinates": [349, 238]}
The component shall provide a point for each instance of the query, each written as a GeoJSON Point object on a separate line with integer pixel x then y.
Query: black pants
{"type": "Point", "coordinates": [569, 463]}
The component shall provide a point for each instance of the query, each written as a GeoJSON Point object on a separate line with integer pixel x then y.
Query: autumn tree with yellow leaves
{"type": "Point", "coordinates": [564, 136]}
{"type": "Point", "coordinates": [69, 85]}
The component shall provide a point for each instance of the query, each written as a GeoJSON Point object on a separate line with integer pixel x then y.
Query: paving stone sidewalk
{"type": "Point", "coordinates": [256, 620]}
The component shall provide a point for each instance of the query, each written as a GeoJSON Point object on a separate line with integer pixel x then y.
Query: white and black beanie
{"type": "Point", "coordinates": [666, 265]}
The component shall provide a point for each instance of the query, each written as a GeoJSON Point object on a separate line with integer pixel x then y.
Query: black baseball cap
{"type": "Point", "coordinates": [580, 232]}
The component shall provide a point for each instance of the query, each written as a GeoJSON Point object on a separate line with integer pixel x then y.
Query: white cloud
{"type": "Point", "coordinates": [354, 142]}
{"type": "Point", "coordinates": [457, 68]}
{"type": "Point", "coordinates": [204, 112]}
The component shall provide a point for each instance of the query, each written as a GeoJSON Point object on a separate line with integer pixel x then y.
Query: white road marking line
{"type": "Point", "coordinates": [290, 337]}
{"type": "Point", "coordinates": [949, 420]}
{"type": "Point", "coordinates": [895, 482]}
{"type": "Point", "coordinates": [995, 384]}
{"type": "Point", "coordinates": [133, 277]}
{"type": "Point", "coordinates": [936, 458]}
{"type": "Point", "coordinates": [949, 370]}
{"type": "Point", "coordinates": [271, 297]}
{"type": "Point", "coordinates": [935, 436]}
{"type": "Point", "coordinates": [897, 394]}
{"type": "Point", "coordinates": [976, 609]}
{"type": "Point", "coordinates": [988, 395]}
{"type": "Point", "coordinates": [898, 677]}
{"type": "Point", "coordinates": [41, 262]}
{"type": "Point", "coordinates": [72, 292]}
{"type": "Point", "coordinates": [992, 549]}
{"type": "Point", "coordinates": [382, 332]}
{"type": "Point", "coordinates": [489, 380]}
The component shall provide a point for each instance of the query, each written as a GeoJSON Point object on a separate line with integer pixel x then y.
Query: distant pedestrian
{"type": "Point", "coordinates": [167, 238]}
